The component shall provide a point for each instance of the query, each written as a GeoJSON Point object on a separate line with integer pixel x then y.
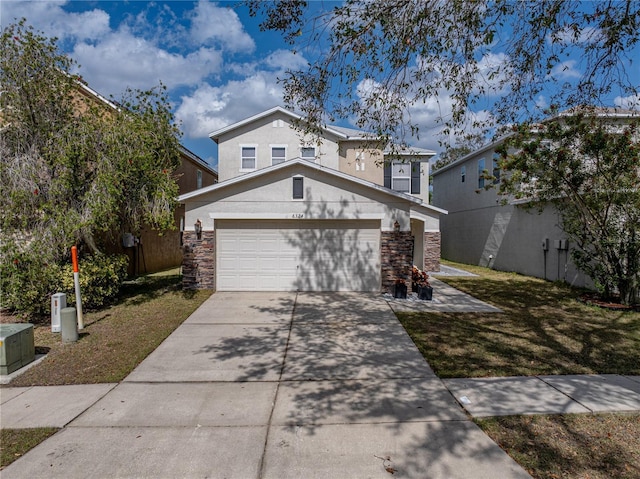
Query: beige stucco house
{"type": "Point", "coordinates": [312, 214]}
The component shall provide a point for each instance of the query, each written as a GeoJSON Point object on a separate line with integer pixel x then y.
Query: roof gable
{"type": "Point", "coordinates": [356, 182]}
{"type": "Point", "coordinates": [339, 132]}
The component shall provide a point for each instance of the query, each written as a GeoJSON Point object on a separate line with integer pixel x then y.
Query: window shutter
{"type": "Point", "coordinates": [298, 188]}
{"type": "Point", "coordinates": [387, 175]}
{"type": "Point", "coordinates": [415, 177]}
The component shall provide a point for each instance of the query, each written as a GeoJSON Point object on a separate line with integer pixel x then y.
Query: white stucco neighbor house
{"type": "Point", "coordinates": [480, 230]}
{"type": "Point", "coordinates": [293, 213]}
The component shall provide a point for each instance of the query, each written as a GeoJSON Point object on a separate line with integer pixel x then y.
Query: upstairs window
{"type": "Point", "coordinates": [248, 160]}
{"type": "Point", "coordinates": [481, 173]}
{"type": "Point", "coordinates": [496, 170]}
{"type": "Point", "coordinates": [198, 179]}
{"type": "Point", "coordinates": [308, 153]}
{"type": "Point", "coordinates": [278, 154]}
{"type": "Point", "coordinates": [403, 177]}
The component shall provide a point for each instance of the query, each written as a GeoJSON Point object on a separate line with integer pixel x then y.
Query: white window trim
{"type": "Point", "coordinates": [406, 176]}
{"type": "Point", "coordinates": [271, 147]}
{"type": "Point", "coordinates": [248, 145]}
{"type": "Point", "coordinates": [315, 152]}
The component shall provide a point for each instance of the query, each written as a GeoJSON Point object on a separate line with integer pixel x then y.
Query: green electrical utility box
{"type": "Point", "coordinates": [17, 348]}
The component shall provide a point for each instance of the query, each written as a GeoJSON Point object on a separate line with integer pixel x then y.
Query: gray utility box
{"type": "Point", "coordinates": [16, 347]}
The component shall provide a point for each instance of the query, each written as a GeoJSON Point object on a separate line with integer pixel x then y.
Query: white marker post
{"type": "Point", "coordinates": [76, 282]}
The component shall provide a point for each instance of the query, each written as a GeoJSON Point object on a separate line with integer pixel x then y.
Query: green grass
{"type": "Point", "coordinates": [544, 330]}
{"type": "Point", "coordinates": [17, 442]}
{"type": "Point", "coordinates": [115, 340]}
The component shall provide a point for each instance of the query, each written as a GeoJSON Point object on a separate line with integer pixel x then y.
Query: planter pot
{"type": "Point", "coordinates": [425, 293]}
{"type": "Point", "coordinates": [400, 291]}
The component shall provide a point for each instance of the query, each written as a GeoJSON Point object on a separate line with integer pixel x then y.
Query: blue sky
{"type": "Point", "coordinates": [218, 66]}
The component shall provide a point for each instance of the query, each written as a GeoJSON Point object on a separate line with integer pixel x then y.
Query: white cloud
{"type": "Point", "coordinates": [122, 60]}
{"type": "Point", "coordinates": [631, 102]}
{"type": "Point", "coordinates": [493, 74]}
{"type": "Point", "coordinates": [50, 18]}
{"type": "Point", "coordinates": [580, 36]}
{"type": "Point", "coordinates": [283, 60]}
{"type": "Point", "coordinates": [210, 108]}
{"type": "Point", "coordinates": [565, 71]}
{"type": "Point", "coordinates": [220, 26]}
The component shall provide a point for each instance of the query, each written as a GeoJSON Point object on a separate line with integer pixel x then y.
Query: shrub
{"type": "Point", "coordinates": [101, 277]}
{"type": "Point", "coordinates": [27, 282]}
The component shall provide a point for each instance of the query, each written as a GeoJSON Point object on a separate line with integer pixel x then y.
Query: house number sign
{"type": "Point", "coordinates": [297, 216]}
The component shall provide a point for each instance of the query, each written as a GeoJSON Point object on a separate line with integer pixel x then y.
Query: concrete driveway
{"type": "Point", "coordinates": [276, 385]}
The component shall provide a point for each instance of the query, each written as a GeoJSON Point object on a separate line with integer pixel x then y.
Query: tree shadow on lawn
{"type": "Point", "coordinates": [543, 330]}
{"type": "Point", "coordinates": [598, 446]}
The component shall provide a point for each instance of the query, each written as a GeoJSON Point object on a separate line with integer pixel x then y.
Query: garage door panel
{"type": "Point", "coordinates": [298, 255]}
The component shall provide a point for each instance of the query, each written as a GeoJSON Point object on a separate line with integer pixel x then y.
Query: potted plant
{"type": "Point", "coordinates": [400, 289]}
{"type": "Point", "coordinates": [420, 284]}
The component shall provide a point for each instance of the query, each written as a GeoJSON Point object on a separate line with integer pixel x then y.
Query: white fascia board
{"type": "Point", "coordinates": [285, 216]}
{"type": "Point", "coordinates": [214, 135]}
{"type": "Point", "coordinates": [421, 212]}
{"type": "Point", "coordinates": [311, 165]}
{"type": "Point", "coordinates": [484, 149]}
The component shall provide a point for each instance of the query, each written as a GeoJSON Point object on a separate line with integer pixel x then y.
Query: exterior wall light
{"type": "Point", "coordinates": [396, 227]}
{"type": "Point", "coordinates": [198, 229]}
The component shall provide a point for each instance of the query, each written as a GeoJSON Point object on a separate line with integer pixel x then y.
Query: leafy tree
{"type": "Point", "coordinates": [75, 169]}
{"type": "Point", "coordinates": [464, 145]}
{"type": "Point", "coordinates": [376, 60]}
{"type": "Point", "coordinates": [589, 168]}
{"type": "Point", "coordinates": [74, 166]}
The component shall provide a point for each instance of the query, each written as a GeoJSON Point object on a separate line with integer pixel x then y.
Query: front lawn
{"type": "Point", "coordinates": [115, 340]}
{"type": "Point", "coordinates": [544, 329]}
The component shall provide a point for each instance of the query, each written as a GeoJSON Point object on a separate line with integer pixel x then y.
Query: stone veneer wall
{"type": "Point", "coordinates": [199, 260]}
{"type": "Point", "coordinates": [397, 258]}
{"type": "Point", "coordinates": [432, 251]}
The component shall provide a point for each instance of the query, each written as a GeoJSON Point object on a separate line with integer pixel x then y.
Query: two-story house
{"type": "Point", "coordinates": [480, 230]}
{"type": "Point", "coordinates": [295, 212]}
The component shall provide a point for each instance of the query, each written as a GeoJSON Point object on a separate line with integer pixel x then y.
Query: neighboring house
{"type": "Point", "coordinates": [479, 230]}
{"type": "Point", "coordinates": [155, 252]}
{"type": "Point", "coordinates": [152, 252]}
{"type": "Point", "coordinates": [296, 213]}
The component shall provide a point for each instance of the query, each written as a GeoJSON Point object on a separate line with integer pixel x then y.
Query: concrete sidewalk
{"type": "Point", "coordinates": [279, 385]}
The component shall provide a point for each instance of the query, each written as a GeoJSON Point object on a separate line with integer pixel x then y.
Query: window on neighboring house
{"type": "Point", "coordinates": [496, 169]}
{"type": "Point", "coordinates": [198, 179]}
{"type": "Point", "coordinates": [481, 173]}
{"type": "Point", "coordinates": [298, 187]}
{"type": "Point", "coordinates": [248, 161]}
{"type": "Point", "coordinates": [463, 173]}
{"type": "Point", "coordinates": [308, 153]}
{"type": "Point", "coordinates": [278, 154]}
{"type": "Point", "coordinates": [403, 177]}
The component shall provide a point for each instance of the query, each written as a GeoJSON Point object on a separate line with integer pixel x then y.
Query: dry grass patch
{"type": "Point", "coordinates": [600, 446]}
{"type": "Point", "coordinates": [116, 339]}
{"type": "Point", "coordinates": [544, 330]}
